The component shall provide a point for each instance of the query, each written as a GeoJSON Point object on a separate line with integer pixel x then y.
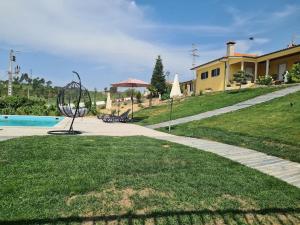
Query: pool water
{"type": "Point", "coordinates": [29, 121]}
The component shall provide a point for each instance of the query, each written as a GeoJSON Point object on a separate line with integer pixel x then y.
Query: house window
{"type": "Point", "coordinates": [215, 72]}
{"type": "Point", "coordinates": [204, 75]}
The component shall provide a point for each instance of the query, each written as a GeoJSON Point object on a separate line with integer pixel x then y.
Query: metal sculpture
{"type": "Point", "coordinates": [73, 101]}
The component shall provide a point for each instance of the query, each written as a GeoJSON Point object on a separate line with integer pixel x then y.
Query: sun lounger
{"type": "Point", "coordinates": [123, 118]}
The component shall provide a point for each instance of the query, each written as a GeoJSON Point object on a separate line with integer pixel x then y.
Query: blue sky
{"type": "Point", "coordinates": [108, 41]}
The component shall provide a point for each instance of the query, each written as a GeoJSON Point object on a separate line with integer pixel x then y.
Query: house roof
{"type": "Point", "coordinates": [187, 81]}
{"type": "Point", "coordinates": [245, 55]}
{"type": "Point", "coordinates": [281, 50]}
{"type": "Point", "coordinates": [215, 60]}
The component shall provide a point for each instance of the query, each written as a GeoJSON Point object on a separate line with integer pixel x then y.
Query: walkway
{"type": "Point", "coordinates": [274, 166]}
{"type": "Point", "coordinates": [282, 169]}
{"type": "Point", "coordinates": [238, 106]}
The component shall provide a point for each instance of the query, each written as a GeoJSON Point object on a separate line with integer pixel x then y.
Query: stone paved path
{"type": "Point", "coordinates": [282, 169]}
{"type": "Point", "coordinates": [238, 106]}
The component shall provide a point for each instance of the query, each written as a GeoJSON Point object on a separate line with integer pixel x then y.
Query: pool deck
{"type": "Point", "coordinates": [282, 169]}
{"type": "Point", "coordinates": [87, 125]}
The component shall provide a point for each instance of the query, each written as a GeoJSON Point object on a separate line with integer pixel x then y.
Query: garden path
{"type": "Point", "coordinates": [235, 107]}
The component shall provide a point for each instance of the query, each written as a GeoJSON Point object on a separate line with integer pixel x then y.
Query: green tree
{"type": "Point", "coordinates": [138, 96]}
{"type": "Point", "coordinates": [158, 79]}
{"type": "Point", "coordinates": [295, 73]}
{"type": "Point", "coordinates": [241, 77]}
{"type": "Point", "coordinates": [49, 83]}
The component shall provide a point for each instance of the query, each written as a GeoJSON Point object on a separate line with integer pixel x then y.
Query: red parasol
{"type": "Point", "coordinates": [131, 83]}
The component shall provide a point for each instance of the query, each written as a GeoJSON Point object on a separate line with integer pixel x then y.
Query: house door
{"type": "Point", "coordinates": [281, 71]}
{"type": "Point", "coordinates": [249, 70]}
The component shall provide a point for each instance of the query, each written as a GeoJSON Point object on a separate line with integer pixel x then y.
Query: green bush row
{"type": "Point", "coordinates": [15, 105]}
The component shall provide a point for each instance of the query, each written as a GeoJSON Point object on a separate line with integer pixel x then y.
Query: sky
{"type": "Point", "coordinates": [107, 41]}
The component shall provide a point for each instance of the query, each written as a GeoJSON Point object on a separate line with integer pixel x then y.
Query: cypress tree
{"type": "Point", "coordinates": [158, 80]}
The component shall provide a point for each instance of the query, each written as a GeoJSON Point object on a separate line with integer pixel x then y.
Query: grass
{"type": "Point", "coordinates": [197, 104]}
{"type": "Point", "coordinates": [272, 128]}
{"type": "Point", "coordinates": [134, 180]}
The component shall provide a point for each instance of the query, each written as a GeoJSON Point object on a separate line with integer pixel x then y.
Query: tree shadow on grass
{"type": "Point", "coordinates": [230, 216]}
{"type": "Point", "coordinates": [137, 119]}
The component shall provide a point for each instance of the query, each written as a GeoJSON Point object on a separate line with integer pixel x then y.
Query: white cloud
{"type": "Point", "coordinates": [106, 32]}
{"type": "Point", "coordinates": [115, 34]}
{"type": "Point", "coordinates": [244, 46]}
{"type": "Point", "coordinates": [287, 11]}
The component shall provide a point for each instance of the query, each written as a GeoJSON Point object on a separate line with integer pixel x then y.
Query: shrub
{"type": "Point", "coordinates": [242, 77]}
{"type": "Point", "coordinates": [7, 111]}
{"type": "Point", "coordinates": [295, 73]}
{"type": "Point", "coordinates": [94, 110]}
{"type": "Point", "coordinates": [138, 97]}
{"type": "Point", "coordinates": [165, 96]}
{"type": "Point", "coordinates": [24, 106]}
{"type": "Point", "coordinates": [267, 80]}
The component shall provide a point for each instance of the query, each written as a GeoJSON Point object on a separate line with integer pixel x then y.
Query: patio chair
{"type": "Point", "coordinates": [123, 118]}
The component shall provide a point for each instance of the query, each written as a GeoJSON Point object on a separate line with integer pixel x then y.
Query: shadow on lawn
{"type": "Point", "coordinates": [230, 216]}
{"type": "Point", "coordinates": [137, 119]}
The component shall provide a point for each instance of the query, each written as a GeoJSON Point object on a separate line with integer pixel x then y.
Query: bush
{"type": "Point", "coordinates": [23, 106]}
{"type": "Point", "coordinates": [165, 96]}
{"type": "Point", "coordinates": [295, 73]}
{"type": "Point", "coordinates": [267, 80]}
{"type": "Point", "coordinates": [242, 77]}
{"type": "Point", "coordinates": [139, 97]}
{"type": "Point", "coordinates": [7, 111]}
{"type": "Point", "coordinates": [94, 110]}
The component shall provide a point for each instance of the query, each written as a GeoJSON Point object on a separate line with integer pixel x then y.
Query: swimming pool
{"type": "Point", "coordinates": [29, 121]}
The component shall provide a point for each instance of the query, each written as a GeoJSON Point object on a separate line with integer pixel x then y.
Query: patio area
{"type": "Point", "coordinates": [87, 125]}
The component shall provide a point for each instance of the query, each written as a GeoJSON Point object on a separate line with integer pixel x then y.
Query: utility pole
{"type": "Point", "coordinates": [10, 72]}
{"type": "Point", "coordinates": [12, 58]}
{"type": "Point", "coordinates": [194, 54]}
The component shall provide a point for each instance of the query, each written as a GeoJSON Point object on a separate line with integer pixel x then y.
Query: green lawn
{"type": "Point", "coordinates": [272, 127]}
{"type": "Point", "coordinates": [198, 104]}
{"type": "Point", "coordinates": [134, 180]}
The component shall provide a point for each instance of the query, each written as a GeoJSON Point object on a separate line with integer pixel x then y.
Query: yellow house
{"type": "Point", "coordinates": [188, 87]}
{"type": "Point", "coordinates": [217, 74]}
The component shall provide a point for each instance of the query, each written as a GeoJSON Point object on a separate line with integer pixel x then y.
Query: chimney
{"type": "Point", "coordinates": [230, 48]}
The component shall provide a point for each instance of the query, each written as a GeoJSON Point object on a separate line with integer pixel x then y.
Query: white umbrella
{"type": "Point", "coordinates": [175, 91]}
{"type": "Point", "coordinates": [108, 101]}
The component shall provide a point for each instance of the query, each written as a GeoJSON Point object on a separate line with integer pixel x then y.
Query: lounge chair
{"type": "Point", "coordinates": [123, 118]}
